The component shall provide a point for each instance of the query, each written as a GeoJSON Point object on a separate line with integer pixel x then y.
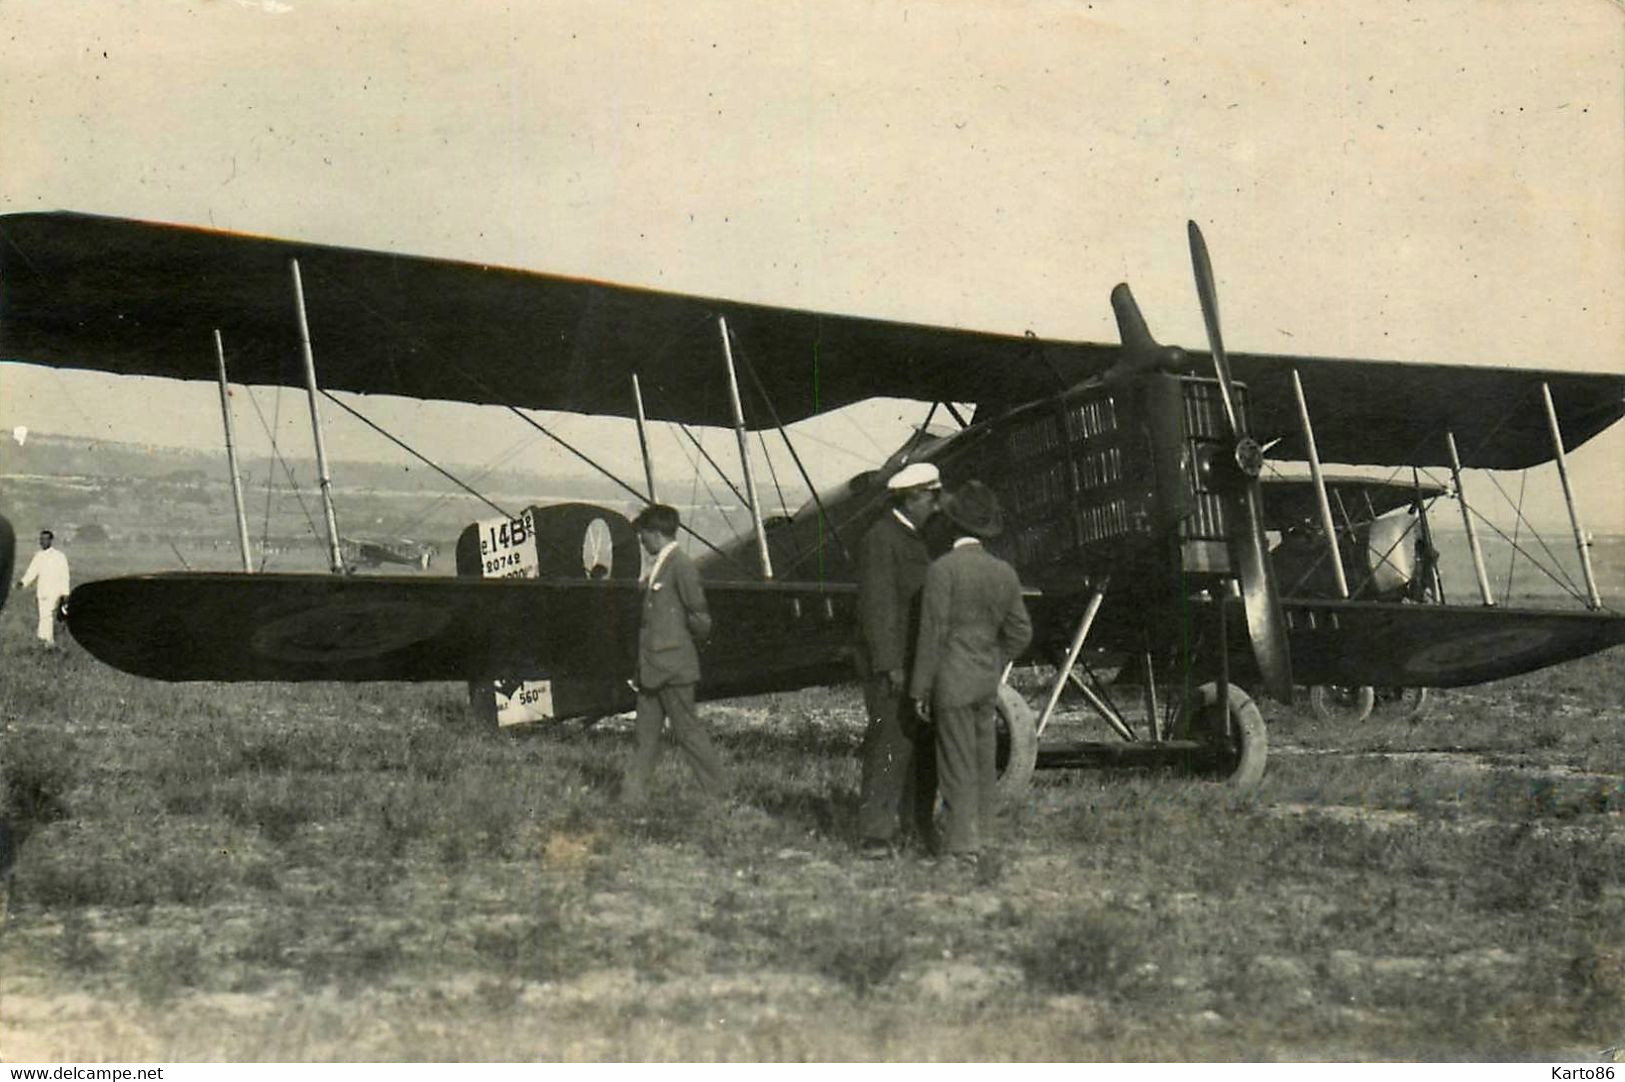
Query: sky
{"type": "Point", "coordinates": [1430, 181]}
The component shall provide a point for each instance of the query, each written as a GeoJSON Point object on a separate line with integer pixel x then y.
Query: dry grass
{"type": "Point", "coordinates": [261, 872]}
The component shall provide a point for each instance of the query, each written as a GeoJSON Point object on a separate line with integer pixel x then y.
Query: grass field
{"type": "Point", "coordinates": [352, 872]}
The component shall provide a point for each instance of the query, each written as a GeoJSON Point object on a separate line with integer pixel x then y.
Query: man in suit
{"type": "Point", "coordinates": [675, 620]}
{"type": "Point", "coordinates": [897, 758]}
{"type": "Point", "coordinates": [972, 624]}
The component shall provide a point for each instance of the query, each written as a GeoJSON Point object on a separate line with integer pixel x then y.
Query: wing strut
{"type": "Point", "coordinates": [231, 456]}
{"type": "Point", "coordinates": [643, 439]}
{"type": "Point", "coordinates": [1593, 599]}
{"type": "Point", "coordinates": [1326, 525]}
{"type": "Point", "coordinates": [335, 559]}
{"type": "Point", "coordinates": [1467, 520]}
{"type": "Point", "coordinates": [744, 451]}
{"type": "Point", "coordinates": [1425, 528]}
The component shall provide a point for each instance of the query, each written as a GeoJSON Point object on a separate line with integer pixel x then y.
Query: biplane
{"type": "Point", "coordinates": [359, 552]}
{"type": "Point", "coordinates": [1386, 552]}
{"type": "Point", "coordinates": [1130, 475]}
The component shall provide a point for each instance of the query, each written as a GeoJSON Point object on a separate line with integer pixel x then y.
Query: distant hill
{"type": "Point", "coordinates": [47, 455]}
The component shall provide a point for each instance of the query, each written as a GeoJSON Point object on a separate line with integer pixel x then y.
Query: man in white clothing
{"type": "Point", "coordinates": [48, 573]}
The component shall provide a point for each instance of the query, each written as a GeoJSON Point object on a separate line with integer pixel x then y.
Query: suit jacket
{"type": "Point", "coordinates": [891, 571]}
{"type": "Point", "coordinates": [972, 622]}
{"type": "Point", "coordinates": [675, 619]}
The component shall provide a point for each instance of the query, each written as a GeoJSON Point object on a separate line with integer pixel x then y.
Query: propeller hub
{"type": "Point", "coordinates": [1249, 457]}
{"type": "Point", "coordinates": [1229, 469]}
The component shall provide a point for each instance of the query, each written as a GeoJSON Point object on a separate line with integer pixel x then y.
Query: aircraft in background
{"type": "Point", "coordinates": [1130, 477]}
{"type": "Point", "coordinates": [377, 551]}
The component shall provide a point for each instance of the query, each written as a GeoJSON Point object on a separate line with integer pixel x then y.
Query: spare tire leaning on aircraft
{"type": "Point", "coordinates": [1016, 733]}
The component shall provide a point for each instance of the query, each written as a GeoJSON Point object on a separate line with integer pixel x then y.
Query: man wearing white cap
{"type": "Point", "coordinates": [891, 570]}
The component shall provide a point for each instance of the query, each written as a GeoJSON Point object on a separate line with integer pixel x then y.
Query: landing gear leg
{"type": "Point", "coordinates": [1063, 674]}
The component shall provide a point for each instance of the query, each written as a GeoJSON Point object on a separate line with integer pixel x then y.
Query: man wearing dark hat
{"type": "Point", "coordinates": [972, 623]}
{"type": "Point", "coordinates": [897, 789]}
{"type": "Point", "coordinates": [675, 619]}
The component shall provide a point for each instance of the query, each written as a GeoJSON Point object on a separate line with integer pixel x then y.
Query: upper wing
{"type": "Point", "coordinates": [140, 298]}
{"type": "Point", "coordinates": [1387, 413]}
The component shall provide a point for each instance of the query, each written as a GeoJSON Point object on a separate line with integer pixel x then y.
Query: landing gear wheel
{"type": "Point", "coordinates": [1341, 704]}
{"type": "Point", "coordinates": [1016, 734]}
{"type": "Point", "coordinates": [1403, 704]}
{"type": "Point", "coordinates": [1237, 758]}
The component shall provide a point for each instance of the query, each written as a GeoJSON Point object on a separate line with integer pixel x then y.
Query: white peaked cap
{"type": "Point", "coordinates": [915, 475]}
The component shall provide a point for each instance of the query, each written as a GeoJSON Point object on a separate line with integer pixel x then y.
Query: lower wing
{"type": "Point", "coordinates": [1395, 645]}
{"type": "Point", "coordinates": [234, 627]}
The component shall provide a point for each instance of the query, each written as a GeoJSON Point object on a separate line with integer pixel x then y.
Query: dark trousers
{"type": "Point", "coordinates": [674, 702]}
{"type": "Point", "coordinates": [899, 771]}
{"type": "Point", "coordinates": [966, 770]}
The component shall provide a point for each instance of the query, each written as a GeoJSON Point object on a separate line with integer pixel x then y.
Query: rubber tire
{"type": "Point", "coordinates": [1320, 701]}
{"type": "Point", "coordinates": [1243, 766]}
{"type": "Point", "coordinates": [1016, 723]}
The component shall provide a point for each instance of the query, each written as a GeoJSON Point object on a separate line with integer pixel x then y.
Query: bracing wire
{"type": "Point", "coordinates": [1560, 577]}
{"type": "Point", "coordinates": [270, 472]}
{"type": "Point", "coordinates": [740, 496]}
{"type": "Point", "coordinates": [634, 493]}
{"type": "Point", "coordinates": [864, 432]}
{"type": "Point", "coordinates": [818, 501]}
{"type": "Point", "coordinates": [1567, 578]}
{"type": "Point", "coordinates": [1517, 527]}
{"type": "Point", "coordinates": [773, 474]}
{"type": "Point", "coordinates": [287, 470]}
{"type": "Point", "coordinates": [696, 480]}
{"type": "Point", "coordinates": [693, 490]}
{"type": "Point", "coordinates": [1560, 581]}
{"type": "Point", "coordinates": [447, 474]}
{"type": "Point", "coordinates": [485, 471]}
